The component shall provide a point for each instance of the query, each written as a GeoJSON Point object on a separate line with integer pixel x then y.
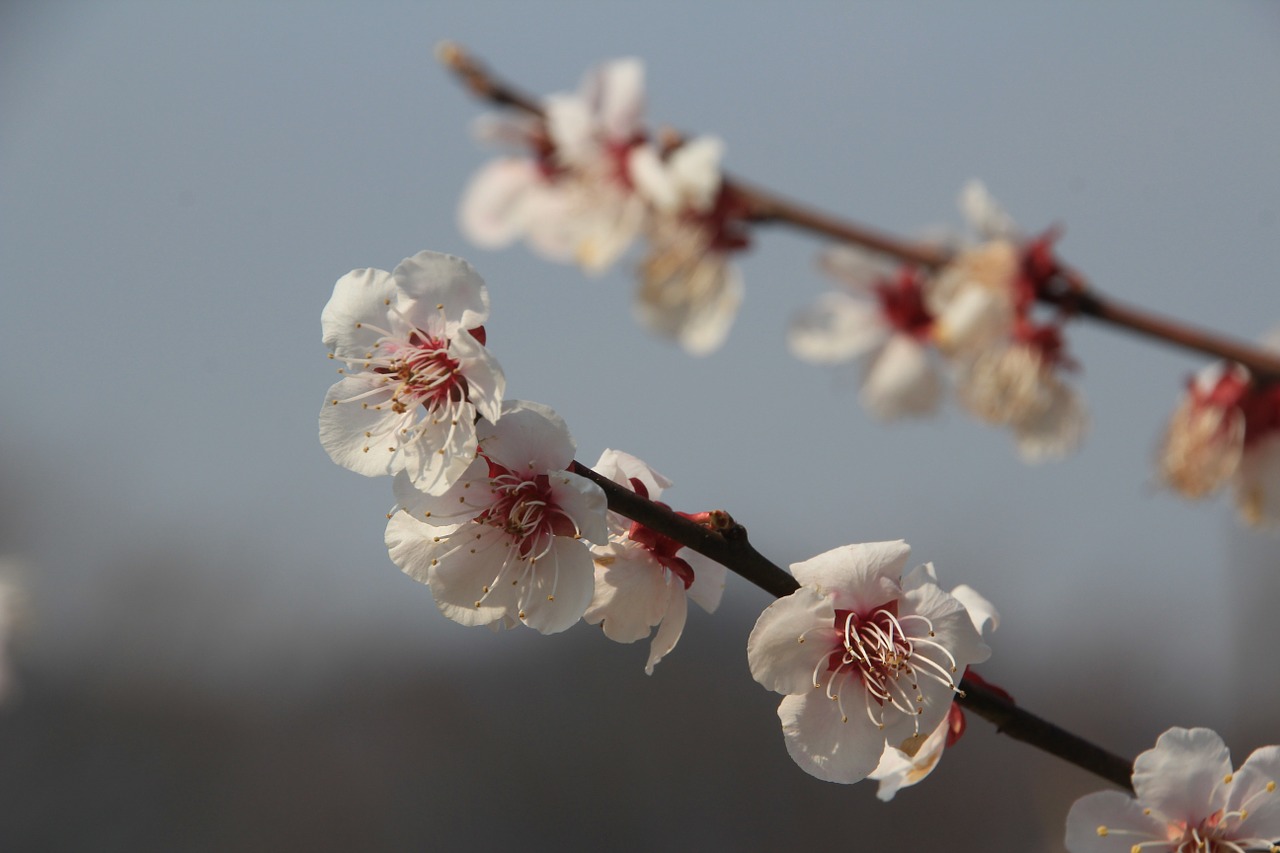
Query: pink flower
{"type": "Point", "coordinates": [866, 656]}
{"type": "Point", "coordinates": [642, 577]}
{"type": "Point", "coordinates": [1227, 429]}
{"type": "Point", "coordinates": [417, 371]}
{"type": "Point", "coordinates": [884, 322]}
{"type": "Point", "coordinates": [1188, 801]}
{"type": "Point", "coordinates": [505, 542]}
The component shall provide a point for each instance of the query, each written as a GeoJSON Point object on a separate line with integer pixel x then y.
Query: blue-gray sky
{"type": "Point", "coordinates": [183, 182]}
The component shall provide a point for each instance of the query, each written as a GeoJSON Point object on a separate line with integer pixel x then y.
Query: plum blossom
{"type": "Point", "coordinates": [1227, 430]}
{"type": "Point", "coordinates": [901, 768]}
{"type": "Point", "coordinates": [505, 543]}
{"type": "Point", "coordinates": [1009, 366]}
{"type": "Point", "coordinates": [643, 578]}
{"type": "Point", "coordinates": [573, 199]}
{"type": "Point", "coordinates": [689, 291]}
{"type": "Point", "coordinates": [1188, 800]}
{"type": "Point", "coordinates": [865, 655]}
{"type": "Point", "coordinates": [884, 322]}
{"type": "Point", "coordinates": [417, 371]}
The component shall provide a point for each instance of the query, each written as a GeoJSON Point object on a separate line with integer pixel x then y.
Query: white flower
{"type": "Point", "coordinates": [573, 201]}
{"type": "Point", "coordinates": [1226, 430]}
{"type": "Point", "coordinates": [689, 291]}
{"type": "Point", "coordinates": [1188, 801]}
{"type": "Point", "coordinates": [642, 577]}
{"type": "Point", "coordinates": [865, 655]}
{"type": "Point", "coordinates": [417, 371]}
{"type": "Point", "coordinates": [504, 543]}
{"type": "Point", "coordinates": [901, 768]}
{"type": "Point", "coordinates": [885, 324]}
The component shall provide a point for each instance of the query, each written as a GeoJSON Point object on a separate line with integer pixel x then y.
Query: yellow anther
{"type": "Point", "coordinates": [1226, 780]}
{"type": "Point", "coordinates": [1271, 787]}
{"type": "Point", "coordinates": [1102, 832]}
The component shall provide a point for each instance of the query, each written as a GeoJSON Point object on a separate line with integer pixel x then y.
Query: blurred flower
{"type": "Point", "coordinates": [573, 200]}
{"type": "Point", "coordinates": [1226, 429]}
{"type": "Point", "coordinates": [689, 291]}
{"type": "Point", "coordinates": [902, 767]}
{"type": "Point", "coordinates": [417, 370]}
{"type": "Point", "coordinates": [865, 655]}
{"type": "Point", "coordinates": [883, 322]}
{"type": "Point", "coordinates": [643, 577]}
{"type": "Point", "coordinates": [1188, 801]}
{"type": "Point", "coordinates": [504, 543]}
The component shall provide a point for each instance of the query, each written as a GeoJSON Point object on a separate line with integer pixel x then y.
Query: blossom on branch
{"type": "Point", "coordinates": [689, 291]}
{"type": "Point", "coordinates": [643, 578]}
{"type": "Point", "coordinates": [865, 655]}
{"type": "Point", "coordinates": [882, 320]}
{"type": "Point", "coordinates": [417, 371]}
{"type": "Point", "coordinates": [505, 543]}
{"type": "Point", "coordinates": [1188, 800]}
{"type": "Point", "coordinates": [573, 200]}
{"type": "Point", "coordinates": [901, 767]}
{"type": "Point", "coordinates": [1227, 430]}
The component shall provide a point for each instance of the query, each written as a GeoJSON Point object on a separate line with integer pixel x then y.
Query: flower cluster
{"type": "Point", "coordinates": [1227, 430]}
{"type": "Point", "coordinates": [868, 659]}
{"type": "Point", "coordinates": [592, 182]}
{"type": "Point", "coordinates": [1189, 800]}
{"type": "Point", "coordinates": [973, 316]}
{"type": "Point", "coordinates": [489, 514]}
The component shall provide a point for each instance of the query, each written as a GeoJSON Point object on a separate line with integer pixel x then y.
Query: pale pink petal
{"type": "Point", "coordinates": [413, 545]}
{"type": "Point", "coordinates": [826, 744]}
{"type": "Point", "coordinates": [582, 501]}
{"type": "Point", "coordinates": [482, 587]}
{"type": "Point", "coordinates": [903, 380]}
{"type": "Point", "coordinates": [1182, 777]}
{"type": "Point", "coordinates": [442, 450]}
{"type": "Point", "coordinates": [358, 429]}
{"type": "Point", "coordinates": [791, 640]}
{"type": "Point", "coordinates": [631, 592]}
{"type": "Point", "coordinates": [859, 576]}
{"type": "Point", "coordinates": [836, 328]}
{"type": "Point", "coordinates": [486, 383]}
{"type": "Point", "coordinates": [532, 437]}
{"type": "Point", "coordinates": [1112, 822]}
{"type": "Point", "coordinates": [668, 633]}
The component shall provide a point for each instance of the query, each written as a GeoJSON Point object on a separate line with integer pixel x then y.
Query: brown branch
{"type": "Point", "coordinates": [728, 546]}
{"type": "Point", "coordinates": [1076, 297]}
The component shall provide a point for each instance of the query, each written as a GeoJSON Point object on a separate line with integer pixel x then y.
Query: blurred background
{"type": "Point", "coordinates": [214, 651]}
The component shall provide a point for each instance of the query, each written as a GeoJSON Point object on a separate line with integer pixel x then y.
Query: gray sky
{"type": "Point", "coordinates": [183, 182]}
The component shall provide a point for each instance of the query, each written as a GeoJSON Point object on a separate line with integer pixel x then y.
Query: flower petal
{"type": "Point", "coordinates": [358, 429]}
{"type": "Point", "coordinates": [1254, 789]}
{"type": "Point", "coordinates": [672, 626]}
{"type": "Point", "coordinates": [902, 381]}
{"type": "Point", "coordinates": [859, 576]}
{"type": "Point", "coordinates": [495, 206]}
{"type": "Point", "coordinates": [528, 437]}
{"type": "Point", "coordinates": [1182, 777]}
{"type": "Point", "coordinates": [559, 586]}
{"type": "Point", "coordinates": [836, 328]}
{"type": "Point", "coordinates": [442, 284]}
{"type": "Point", "coordinates": [791, 639]}
{"type": "Point", "coordinates": [631, 592]}
{"type": "Point", "coordinates": [824, 743]}
{"type": "Point", "coordinates": [708, 579]}
{"type": "Point", "coordinates": [355, 316]}
{"type": "Point", "coordinates": [1111, 822]}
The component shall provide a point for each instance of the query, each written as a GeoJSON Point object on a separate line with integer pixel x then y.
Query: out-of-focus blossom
{"type": "Point", "coordinates": [573, 199]}
{"type": "Point", "coordinates": [689, 291]}
{"type": "Point", "coordinates": [417, 370]}
{"type": "Point", "coordinates": [505, 542]}
{"type": "Point", "coordinates": [882, 320]}
{"type": "Point", "coordinates": [865, 655]}
{"type": "Point", "coordinates": [902, 767]}
{"type": "Point", "coordinates": [643, 578]}
{"type": "Point", "coordinates": [1189, 800]}
{"type": "Point", "coordinates": [1226, 430]}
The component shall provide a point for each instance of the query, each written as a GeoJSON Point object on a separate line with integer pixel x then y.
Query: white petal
{"type": "Point", "coordinates": [792, 637]}
{"type": "Point", "coordinates": [708, 579]}
{"type": "Point", "coordinates": [360, 431]}
{"type": "Point", "coordinates": [432, 282]}
{"type": "Point", "coordinates": [474, 576]}
{"type": "Point", "coordinates": [860, 576]}
{"type": "Point", "coordinates": [571, 128]}
{"type": "Point", "coordinates": [444, 448]}
{"type": "Point", "coordinates": [651, 178]}
{"type": "Point", "coordinates": [528, 437]}
{"type": "Point", "coordinates": [1249, 790]}
{"type": "Point", "coordinates": [836, 328]}
{"type": "Point", "coordinates": [621, 467]}
{"type": "Point", "coordinates": [495, 206]}
{"type": "Point", "coordinates": [582, 501]}
{"type": "Point", "coordinates": [897, 770]}
{"type": "Point", "coordinates": [1054, 431]}
{"type": "Point", "coordinates": [413, 545]}
{"type": "Point", "coordinates": [981, 612]}
{"type": "Point", "coordinates": [672, 626]}
{"type": "Point", "coordinates": [826, 745]}
{"type": "Point", "coordinates": [902, 381]}
{"type": "Point", "coordinates": [695, 168]}
{"type": "Point", "coordinates": [631, 592]}
{"type": "Point", "coordinates": [984, 215]}
{"type": "Point", "coordinates": [856, 268]}
{"type": "Point", "coordinates": [469, 495]}
{"type": "Point", "coordinates": [485, 380]}
{"type": "Point", "coordinates": [559, 587]}
{"type": "Point", "coordinates": [1111, 822]}
{"type": "Point", "coordinates": [360, 301]}
{"type": "Point", "coordinates": [1257, 482]}
{"type": "Point", "coordinates": [616, 92]}
{"type": "Point", "coordinates": [1182, 777]}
